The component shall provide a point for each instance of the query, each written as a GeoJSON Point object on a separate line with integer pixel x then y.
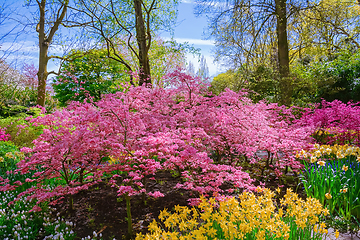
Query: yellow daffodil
{"type": "Point", "coordinates": [344, 190]}
{"type": "Point", "coordinates": [337, 234]}
{"type": "Point", "coordinates": [321, 163]}
{"type": "Point", "coordinates": [21, 155]}
{"type": "Point", "coordinates": [328, 196]}
{"type": "Point", "coordinates": [235, 218]}
{"type": "Point", "coordinates": [345, 168]}
{"type": "Point", "coordinates": [313, 159]}
{"type": "Point", "coordinates": [9, 155]}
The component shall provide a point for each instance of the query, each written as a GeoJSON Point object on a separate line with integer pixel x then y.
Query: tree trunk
{"type": "Point", "coordinates": [43, 51]}
{"type": "Point", "coordinates": [283, 52]}
{"type": "Point", "coordinates": [44, 43]}
{"type": "Point", "coordinates": [42, 74]}
{"type": "Point", "coordinates": [144, 75]}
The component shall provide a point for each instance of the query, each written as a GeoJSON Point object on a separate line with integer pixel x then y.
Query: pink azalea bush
{"type": "Point", "coordinates": [3, 136]}
{"type": "Point", "coordinates": [333, 122]}
{"type": "Point", "coordinates": [138, 132]}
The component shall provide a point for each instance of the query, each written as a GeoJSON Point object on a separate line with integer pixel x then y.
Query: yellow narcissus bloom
{"type": "Point", "coordinates": [358, 159]}
{"type": "Point", "coordinates": [235, 218]}
{"type": "Point", "coordinates": [328, 196]}
{"type": "Point", "coordinates": [337, 233]}
{"type": "Point", "coordinates": [345, 168]}
{"type": "Point", "coordinates": [344, 190]}
{"type": "Point", "coordinates": [9, 155]}
{"type": "Point", "coordinates": [340, 151]}
{"type": "Point", "coordinates": [321, 163]}
{"type": "Point", "coordinates": [303, 153]}
{"type": "Point", "coordinates": [20, 154]}
{"type": "Point", "coordinates": [1, 159]}
{"type": "Point", "coordinates": [317, 153]}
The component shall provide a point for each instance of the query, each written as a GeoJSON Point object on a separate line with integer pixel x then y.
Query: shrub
{"type": "Point", "coordinates": [334, 122]}
{"type": "Point", "coordinates": [21, 132]}
{"type": "Point", "coordinates": [184, 129]}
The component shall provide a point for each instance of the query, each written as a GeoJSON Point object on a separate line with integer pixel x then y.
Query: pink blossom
{"type": "Point", "coordinates": [156, 194]}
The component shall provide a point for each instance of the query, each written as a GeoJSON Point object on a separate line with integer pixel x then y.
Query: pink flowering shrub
{"type": "Point", "coordinates": [334, 122]}
{"type": "Point", "coordinates": [182, 128]}
{"type": "Point", "coordinates": [3, 136]}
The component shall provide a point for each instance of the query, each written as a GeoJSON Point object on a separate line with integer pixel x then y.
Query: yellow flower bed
{"type": "Point", "coordinates": [340, 151]}
{"type": "Point", "coordinates": [252, 216]}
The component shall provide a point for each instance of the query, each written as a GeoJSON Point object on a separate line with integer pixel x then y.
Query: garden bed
{"type": "Point", "coordinates": [100, 210]}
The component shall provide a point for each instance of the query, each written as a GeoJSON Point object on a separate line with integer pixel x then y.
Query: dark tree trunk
{"type": "Point", "coordinates": [43, 55]}
{"type": "Point", "coordinates": [283, 52]}
{"type": "Point", "coordinates": [44, 43]}
{"type": "Point", "coordinates": [144, 75]}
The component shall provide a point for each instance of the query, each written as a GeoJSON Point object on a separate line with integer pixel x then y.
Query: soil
{"type": "Point", "coordinates": [100, 210]}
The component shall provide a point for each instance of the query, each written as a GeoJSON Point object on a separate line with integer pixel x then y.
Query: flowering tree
{"type": "Point", "coordinates": [30, 76]}
{"type": "Point", "coordinates": [182, 128]}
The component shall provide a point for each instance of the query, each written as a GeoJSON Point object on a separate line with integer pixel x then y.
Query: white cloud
{"type": "Point", "coordinates": [23, 46]}
{"type": "Point", "coordinates": [193, 41]}
{"type": "Point", "coordinates": [187, 1]}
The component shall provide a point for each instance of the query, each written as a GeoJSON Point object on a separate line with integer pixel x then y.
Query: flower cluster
{"type": "Point", "coordinates": [3, 135]}
{"type": "Point", "coordinates": [16, 222]}
{"type": "Point", "coordinates": [249, 216]}
{"type": "Point", "coordinates": [334, 122]}
{"type": "Point", "coordinates": [331, 175]}
{"type": "Point", "coordinates": [323, 152]}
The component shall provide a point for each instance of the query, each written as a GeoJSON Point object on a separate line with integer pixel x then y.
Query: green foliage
{"type": "Point", "coordinates": [261, 81]}
{"type": "Point", "coordinates": [16, 220]}
{"type": "Point", "coordinates": [12, 94]}
{"type": "Point", "coordinates": [8, 158]}
{"type": "Point", "coordinates": [229, 79]}
{"type": "Point", "coordinates": [336, 77]}
{"type": "Point", "coordinates": [264, 81]}
{"type": "Point", "coordinates": [21, 136]}
{"type": "Point", "coordinates": [334, 179]}
{"type": "Point", "coordinates": [91, 75]}
{"type": "Point", "coordinates": [12, 110]}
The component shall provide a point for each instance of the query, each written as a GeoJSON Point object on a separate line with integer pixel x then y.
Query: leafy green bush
{"type": "Point", "coordinates": [8, 156]}
{"type": "Point", "coordinates": [333, 78]}
{"type": "Point", "coordinates": [21, 136]}
{"type": "Point", "coordinates": [91, 75]}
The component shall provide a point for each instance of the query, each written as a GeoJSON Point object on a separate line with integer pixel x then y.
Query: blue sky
{"type": "Point", "coordinates": [188, 29]}
{"type": "Point", "coordinates": [191, 29]}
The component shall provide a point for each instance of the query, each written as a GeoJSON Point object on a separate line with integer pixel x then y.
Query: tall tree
{"type": "Point", "coordinates": [46, 33]}
{"type": "Point", "coordinates": [283, 51]}
{"type": "Point", "coordinates": [247, 32]}
{"type": "Point", "coordinates": [129, 25]}
{"type": "Point", "coordinates": [325, 29]}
